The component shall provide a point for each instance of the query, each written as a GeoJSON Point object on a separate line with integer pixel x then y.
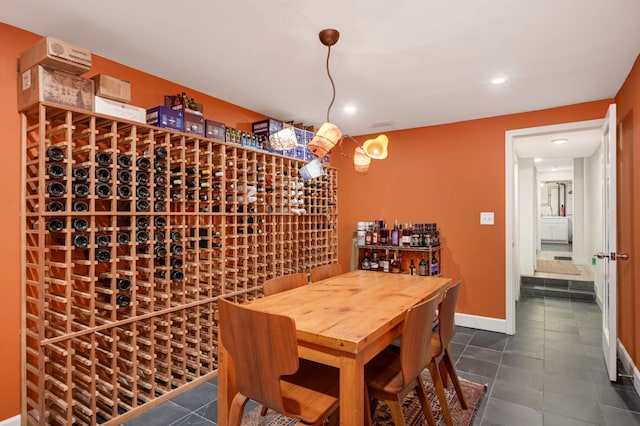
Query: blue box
{"type": "Point", "coordinates": [167, 118]}
{"type": "Point", "coordinates": [307, 137]}
{"type": "Point", "coordinates": [300, 152]}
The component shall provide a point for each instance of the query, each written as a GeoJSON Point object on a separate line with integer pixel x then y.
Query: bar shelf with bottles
{"type": "Point", "coordinates": [131, 234]}
{"type": "Point", "coordinates": [413, 248]}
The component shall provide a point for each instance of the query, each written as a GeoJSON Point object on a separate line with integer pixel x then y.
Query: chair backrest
{"type": "Point", "coordinates": [323, 272]}
{"type": "Point", "coordinates": [284, 283]}
{"type": "Point", "coordinates": [415, 349]}
{"type": "Point", "coordinates": [250, 338]}
{"type": "Point", "coordinates": [446, 315]}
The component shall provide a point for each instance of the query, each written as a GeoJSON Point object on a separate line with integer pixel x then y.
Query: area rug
{"type": "Point", "coordinates": [557, 267]}
{"type": "Point", "coordinates": [411, 408]}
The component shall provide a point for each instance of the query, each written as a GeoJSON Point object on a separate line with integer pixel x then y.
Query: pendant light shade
{"type": "Point", "coordinates": [376, 148]}
{"type": "Point", "coordinates": [361, 161]}
{"type": "Point", "coordinates": [327, 136]}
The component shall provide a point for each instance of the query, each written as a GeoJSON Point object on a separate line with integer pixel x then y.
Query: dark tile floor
{"type": "Point", "coordinates": [550, 373]}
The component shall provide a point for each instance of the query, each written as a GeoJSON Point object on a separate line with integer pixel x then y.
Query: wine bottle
{"type": "Point", "coordinates": [79, 240]}
{"type": "Point", "coordinates": [124, 191]}
{"type": "Point", "coordinates": [103, 190]}
{"type": "Point", "coordinates": [160, 180]}
{"type": "Point", "coordinates": [159, 237]}
{"type": "Point", "coordinates": [55, 206]}
{"type": "Point", "coordinates": [103, 174]}
{"type": "Point", "coordinates": [55, 171]}
{"type": "Point", "coordinates": [395, 234]}
{"type": "Point", "coordinates": [123, 284]}
{"type": "Point", "coordinates": [79, 206]}
{"type": "Point", "coordinates": [103, 240]}
{"type": "Point", "coordinates": [176, 276]}
{"type": "Point", "coordinates": [80, 190]}
{"type": "Point", "coordinates": [160, 251]}
{"type": "Point", "coordinates": [434, 265]}
{"type": "Point", "coordinates": [159, 206]}
{"type": "Point", "coordinates": [177, 249]}
{"type": "Point", "coordinates": [55, 225]}
{"type": "Point", "coordinates": [143, 163]}
{"type": "Point", "coordinates": [142, 222]}
{"type": "Point", "coordinates": [123, 238]}
{"type": "Point", "coordinates": [396, 266]}
{"type": "Point", "coordinates": [160, 194]}
{"type": "Point", "coordinates": [176, 262]}
{"type": "Point", "coordinates": [142, 237]}
{"type": "Point", "coordinates": [80, 174]}
{"type": "Point", "coordinates": [123, 176]}
{"type": "Point", "coordinates": [160, 222]}
{"type": "Point", "coordinates": [422, 267]}
{"type": "Point", "coordinates": [123, 300]}
{"type": "Point", "coordinates": [142, 178]}
{"type": "Point", "coordinates": [385, 262]}
{"type": "Point", "coordinates": [102, 255]}
{"type": "Point", "coordinates": [160, 152]}
{"type": "Point", "coordinates": [124, 161]}
{"type": "Point", "coordinates": [103, 158]}
{"type": "Point", "coordinates": [160, 166]}
{"type": "Point", "coordinates": [365, 265]}
{"type": "Point", "coordinates": [175, 236]}
{"type": "Point", "coordinates": [56, 189]}
{"type": "Point", "coordinates": [55, 153]}
{"type": "Point", "coordinates": [142, 192]}
{"type": "Point", "coordinates": [142, 206]}
{"type": "Point", "coordinates": [80, 224]}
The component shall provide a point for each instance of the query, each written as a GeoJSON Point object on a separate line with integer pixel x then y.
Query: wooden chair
{"type": "Point", "coordinates": [440, 350]}
{"type": "Point", "coordinates": [394, 372]}
{"type": "Point", "coordinates": [283, 283]}
{"type": "Point", "coordinates": [277, 379]}
{"type": "Point", "coordinates": [323, 272]}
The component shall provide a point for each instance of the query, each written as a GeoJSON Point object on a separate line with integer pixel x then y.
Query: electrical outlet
{"type": "Point", "coordinates": [486, 218]}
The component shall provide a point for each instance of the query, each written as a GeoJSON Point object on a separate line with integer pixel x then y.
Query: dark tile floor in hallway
{"type": "Point", "coordinates": [550, 373]}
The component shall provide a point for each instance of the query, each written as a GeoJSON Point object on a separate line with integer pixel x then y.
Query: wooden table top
{"type": "Point", "coordinates": [347, 311]}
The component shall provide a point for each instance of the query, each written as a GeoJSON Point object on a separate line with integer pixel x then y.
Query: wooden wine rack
{"type": "Point", "coordinates": [89, 358]}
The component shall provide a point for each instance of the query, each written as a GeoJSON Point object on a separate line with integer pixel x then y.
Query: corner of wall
{"type": "Point", "coordinates": [11, 421]}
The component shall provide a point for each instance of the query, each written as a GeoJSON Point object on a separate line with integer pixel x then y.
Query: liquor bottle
{"type": "Point", "coordinates": [368, 236]}
{"type": "Point", "coordinates": [434, 264]}
{"type": "Point", "coordinates": [412, 268]}
{"type": "Point", "coordinates": [56, 189]}
{"type": "Point", "coordinates": [103, 158]}
{"type": "Point", "coordinates": [124, 161]}
{"type": "Point", "coordinates": [80, 174]}
{"type": "Point", "coordinates": [415, 236]}
{"type": "Point", "coordinates": [396, 265]}
{"type": "Point", "coordinates": [406, 235]}
{"type": "Point", "coordinates": [422, 267]}
{"type": "Point", "coordinates": [55, 171]}
{"type": "Point", "coordinates": [55, 153]}
{"type": "Point", "coordinates": [385, 262]}
{"type": "Point", "coordinates": [375, 235]}
{"type": "Point", "coordinates": [375, 264]}
{"type": "Point", "coordinates": [366, 262]}
{"type": "Point", "coordinates": [384, 235]}
{"type": "Point", "coordinates": [395, 234]}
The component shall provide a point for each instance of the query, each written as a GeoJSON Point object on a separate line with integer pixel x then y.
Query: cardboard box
{"type": "Point", "coordinates": [178, 103]}
{"type": "Point", "coordinates": [167, 118]}
{"type": "Point", "coordinates": [193, 123]}
{"type": "Point", "coordinates": [214, 130]}
{"type": "Point", "coordinates": [56, 53]}
{"type": "Point", "coordinates": [45, 84]}
{"type": "Point", "coordinates": [119, 110]}
{"type": "Point", "coordinates": [112, 88]}
{"type": "Point", "coordinates": [266, 128]}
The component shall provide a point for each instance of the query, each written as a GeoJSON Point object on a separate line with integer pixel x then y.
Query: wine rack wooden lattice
{"type": "Point", "coordinates": [131, 234]}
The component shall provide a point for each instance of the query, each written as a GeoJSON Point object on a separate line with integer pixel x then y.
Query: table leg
{"type": "Point", "coordinates": [352, 391]}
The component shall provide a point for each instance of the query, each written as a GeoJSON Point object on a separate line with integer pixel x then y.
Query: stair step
{"type": "Point", "coordinates": [533, 290]}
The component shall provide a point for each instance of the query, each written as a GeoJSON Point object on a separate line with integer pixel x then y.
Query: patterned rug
{"type": "Point", "coordinates": [411, 408]}
{"type": "Point", "coordinates": [557, 267]}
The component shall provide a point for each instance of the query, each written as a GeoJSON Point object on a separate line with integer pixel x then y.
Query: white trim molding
{"type": "Point", "coordinates": [629, 366]}
{"type": "Point", "coordinates": [482, 323]}
{"type": "Point", "coordinates": [11, 421]}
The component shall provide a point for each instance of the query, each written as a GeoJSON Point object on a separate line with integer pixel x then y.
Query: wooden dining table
{"type": "Point", "coordinates": [342, 321]}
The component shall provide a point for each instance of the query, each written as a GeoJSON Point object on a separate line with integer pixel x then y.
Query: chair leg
{"type": "Point", "coordinates": [451, 369]}
{"type": "Point", "coordinates": [395, 406]}
{"type": "Point", "coordinates": [426, 407]}
{"type": "Point", "coordinates": [237, 408]}
{"type": "Point", "coordinates": [437, 384]}
{"type": "Point", "coordinates": [334, 418]}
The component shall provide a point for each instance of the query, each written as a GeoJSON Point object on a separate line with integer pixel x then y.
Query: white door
{"type": "Point", "coordinates": [608, 256]}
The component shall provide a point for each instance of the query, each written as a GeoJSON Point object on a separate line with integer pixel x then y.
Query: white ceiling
{"type": "Point", "coordinates": [409, 63]}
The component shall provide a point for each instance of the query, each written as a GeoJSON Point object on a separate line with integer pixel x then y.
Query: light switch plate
{"type": "Point", "coordinates": [486, 218]}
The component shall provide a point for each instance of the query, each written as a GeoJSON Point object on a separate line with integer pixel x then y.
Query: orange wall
{"type": "Point", "coordinates": [147, 91]}
{"type": "Point", "coordinates": [448, 174]}
{"type": "Point", "coordinates": [628, 101]}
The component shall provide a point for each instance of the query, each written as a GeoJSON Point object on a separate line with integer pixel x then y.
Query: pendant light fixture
{"type": "Point", "coordinates": [328, 135]}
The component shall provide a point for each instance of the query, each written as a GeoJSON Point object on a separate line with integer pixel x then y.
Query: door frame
{"type": "Point", "coordinates": [512, 270]}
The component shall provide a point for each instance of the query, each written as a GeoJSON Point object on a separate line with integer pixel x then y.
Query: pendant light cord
{"type": "Point", "coordinates": [333, 86]}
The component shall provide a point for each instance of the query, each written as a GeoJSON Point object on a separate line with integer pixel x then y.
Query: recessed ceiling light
{"type": "Point", "coordinates": [537, 160]}
{"type": "Point", "coordinates": [559, 141]}
{"type": "Point", "coordinates": [498, 80]}
{"type": "Point", "coordinates": [349, 109]}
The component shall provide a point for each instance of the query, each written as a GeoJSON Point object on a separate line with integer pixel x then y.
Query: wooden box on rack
{"type": "Point", "coordinates": [56, 53]}
{"type": "Point", "coordinates": [46, 84]}
{"type": "Point", "coordinates": [112, 88]}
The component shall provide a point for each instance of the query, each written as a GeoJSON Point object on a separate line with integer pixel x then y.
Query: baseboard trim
{"type": "Point", "coordinates": [629, 365]}
{"type": "Point", "coordinates": [482, 323]}
{"type": "Point", "coordinates": [11, 421]}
